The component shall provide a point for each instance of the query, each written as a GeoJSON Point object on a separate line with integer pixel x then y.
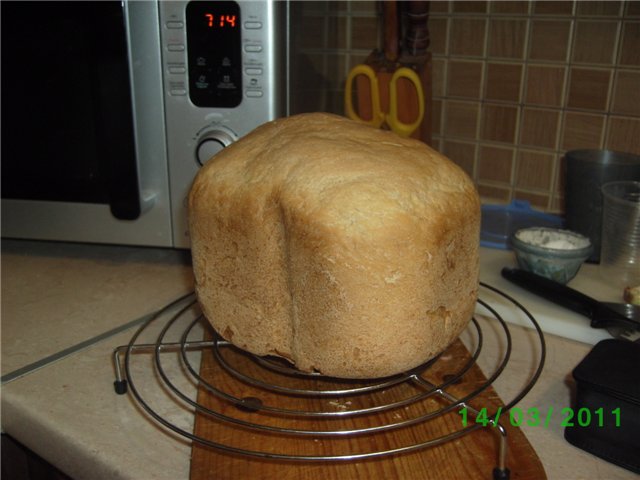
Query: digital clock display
{"type": "Point", "coordinates": [220, 20]}
{"type": "Point", "coordinates": [214, 53]}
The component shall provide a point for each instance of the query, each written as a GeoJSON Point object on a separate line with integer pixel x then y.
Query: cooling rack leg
{"type": "Point", "coordinates": [120, 384]}
{"type": "Point", "coordinates": [501, 472]}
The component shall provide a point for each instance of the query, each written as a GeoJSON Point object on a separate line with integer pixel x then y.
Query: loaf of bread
{"type": "Point", "coordinates": [345, 249]}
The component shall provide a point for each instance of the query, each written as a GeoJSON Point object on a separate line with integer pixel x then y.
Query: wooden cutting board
{"type": "Point", "coordinates": [471, 456]}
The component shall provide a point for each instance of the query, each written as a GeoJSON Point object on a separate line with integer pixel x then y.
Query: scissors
{"type": "Point", "coordinates": [380, 117]}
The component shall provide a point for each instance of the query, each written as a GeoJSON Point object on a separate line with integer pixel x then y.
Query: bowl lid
{"type": "Point", "coordinates": [499, 222]}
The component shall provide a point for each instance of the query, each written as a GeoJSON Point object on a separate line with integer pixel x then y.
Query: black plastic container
{"type": "Point", "coordinates": [605, 419]}
{"type": "Point", "coordinates": [586, 172]}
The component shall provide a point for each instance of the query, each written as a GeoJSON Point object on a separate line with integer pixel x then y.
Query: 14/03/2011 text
{"type": "Point", "coordinates": [534, 417]}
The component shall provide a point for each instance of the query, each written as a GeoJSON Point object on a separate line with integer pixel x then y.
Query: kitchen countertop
{"type": "Point", "coordinates": [66, 307]}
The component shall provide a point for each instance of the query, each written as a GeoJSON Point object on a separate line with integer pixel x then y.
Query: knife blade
{"type": "Point", "coordinates": [621, 320]}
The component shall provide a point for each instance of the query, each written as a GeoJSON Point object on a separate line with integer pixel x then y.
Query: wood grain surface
{"type": "Point", "coordinates": [473, 455]}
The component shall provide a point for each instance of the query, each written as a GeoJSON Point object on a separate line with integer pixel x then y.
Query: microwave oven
{"type": "Point", "coordinates": [109, 109]}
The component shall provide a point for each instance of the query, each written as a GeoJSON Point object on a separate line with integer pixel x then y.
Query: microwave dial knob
{"type": "Point", "coordinates": [211, 143]}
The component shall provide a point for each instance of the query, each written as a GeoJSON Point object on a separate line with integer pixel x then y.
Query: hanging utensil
{"type": "Point", "coordinates": [379, 117]}
{"type": "Point", "coordinates": [388, 94]}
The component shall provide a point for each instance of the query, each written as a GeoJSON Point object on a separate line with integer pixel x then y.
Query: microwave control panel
{"type": "Point", "coordinates": [225, 72]}
{"type": "Point", "coordinates": [214, 53]}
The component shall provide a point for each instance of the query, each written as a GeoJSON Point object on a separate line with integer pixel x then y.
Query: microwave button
{"type": "Point", "coordinates": [227, 78]}
{"type": "Point", "coordinates": [175, 47]}
{"type": "Point", "coordinates": [177, 69]}
{"type": "Point", "coordinates": [254, 93]}
{"type": "Point", "coordinates": [253, 48]}
{"type": "Point", "coordinates": [203, 80]}
{"type": "Point", "coordinates": [207, 149]}
{"type": "Point", "coordinates": [175, 24]}
{"type": "Point", "coordinates": [253, 25]}
{"type": "Point", "coordinates": [253, 71]}
{"type": "Point", "coordinates": [212, 142]}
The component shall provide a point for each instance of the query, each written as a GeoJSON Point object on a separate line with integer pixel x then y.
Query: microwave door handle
{"type": "Point", "coordinates": [115, 137]}
{"type": "Point", "coordinates": [124, 197]}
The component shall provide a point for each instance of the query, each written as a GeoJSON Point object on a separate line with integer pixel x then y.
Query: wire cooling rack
{"type": "Point", "coordinates": [168, 369]}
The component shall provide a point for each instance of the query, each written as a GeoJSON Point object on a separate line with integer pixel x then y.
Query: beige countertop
{"type": "Point", "coordinates": [66, 307]}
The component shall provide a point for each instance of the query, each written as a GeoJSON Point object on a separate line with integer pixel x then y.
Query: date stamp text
{"type": "Point", "coordinates": [535, 417]}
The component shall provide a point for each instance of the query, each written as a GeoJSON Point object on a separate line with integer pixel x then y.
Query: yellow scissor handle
{"type": "Point", "coordinates": [378, 116]}
{"type": "Point", "coordinates": [404, 129]}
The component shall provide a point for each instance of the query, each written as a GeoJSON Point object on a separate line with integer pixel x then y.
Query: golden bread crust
{"type": "Point", "coordinates": [346, 249]}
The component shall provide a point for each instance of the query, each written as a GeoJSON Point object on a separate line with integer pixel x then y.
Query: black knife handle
{"type": "Point", "coordinates": [552, 291]}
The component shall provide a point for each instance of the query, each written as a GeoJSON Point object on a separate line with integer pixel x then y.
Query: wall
{"type": "Point", "coordinates": [516, 84]}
